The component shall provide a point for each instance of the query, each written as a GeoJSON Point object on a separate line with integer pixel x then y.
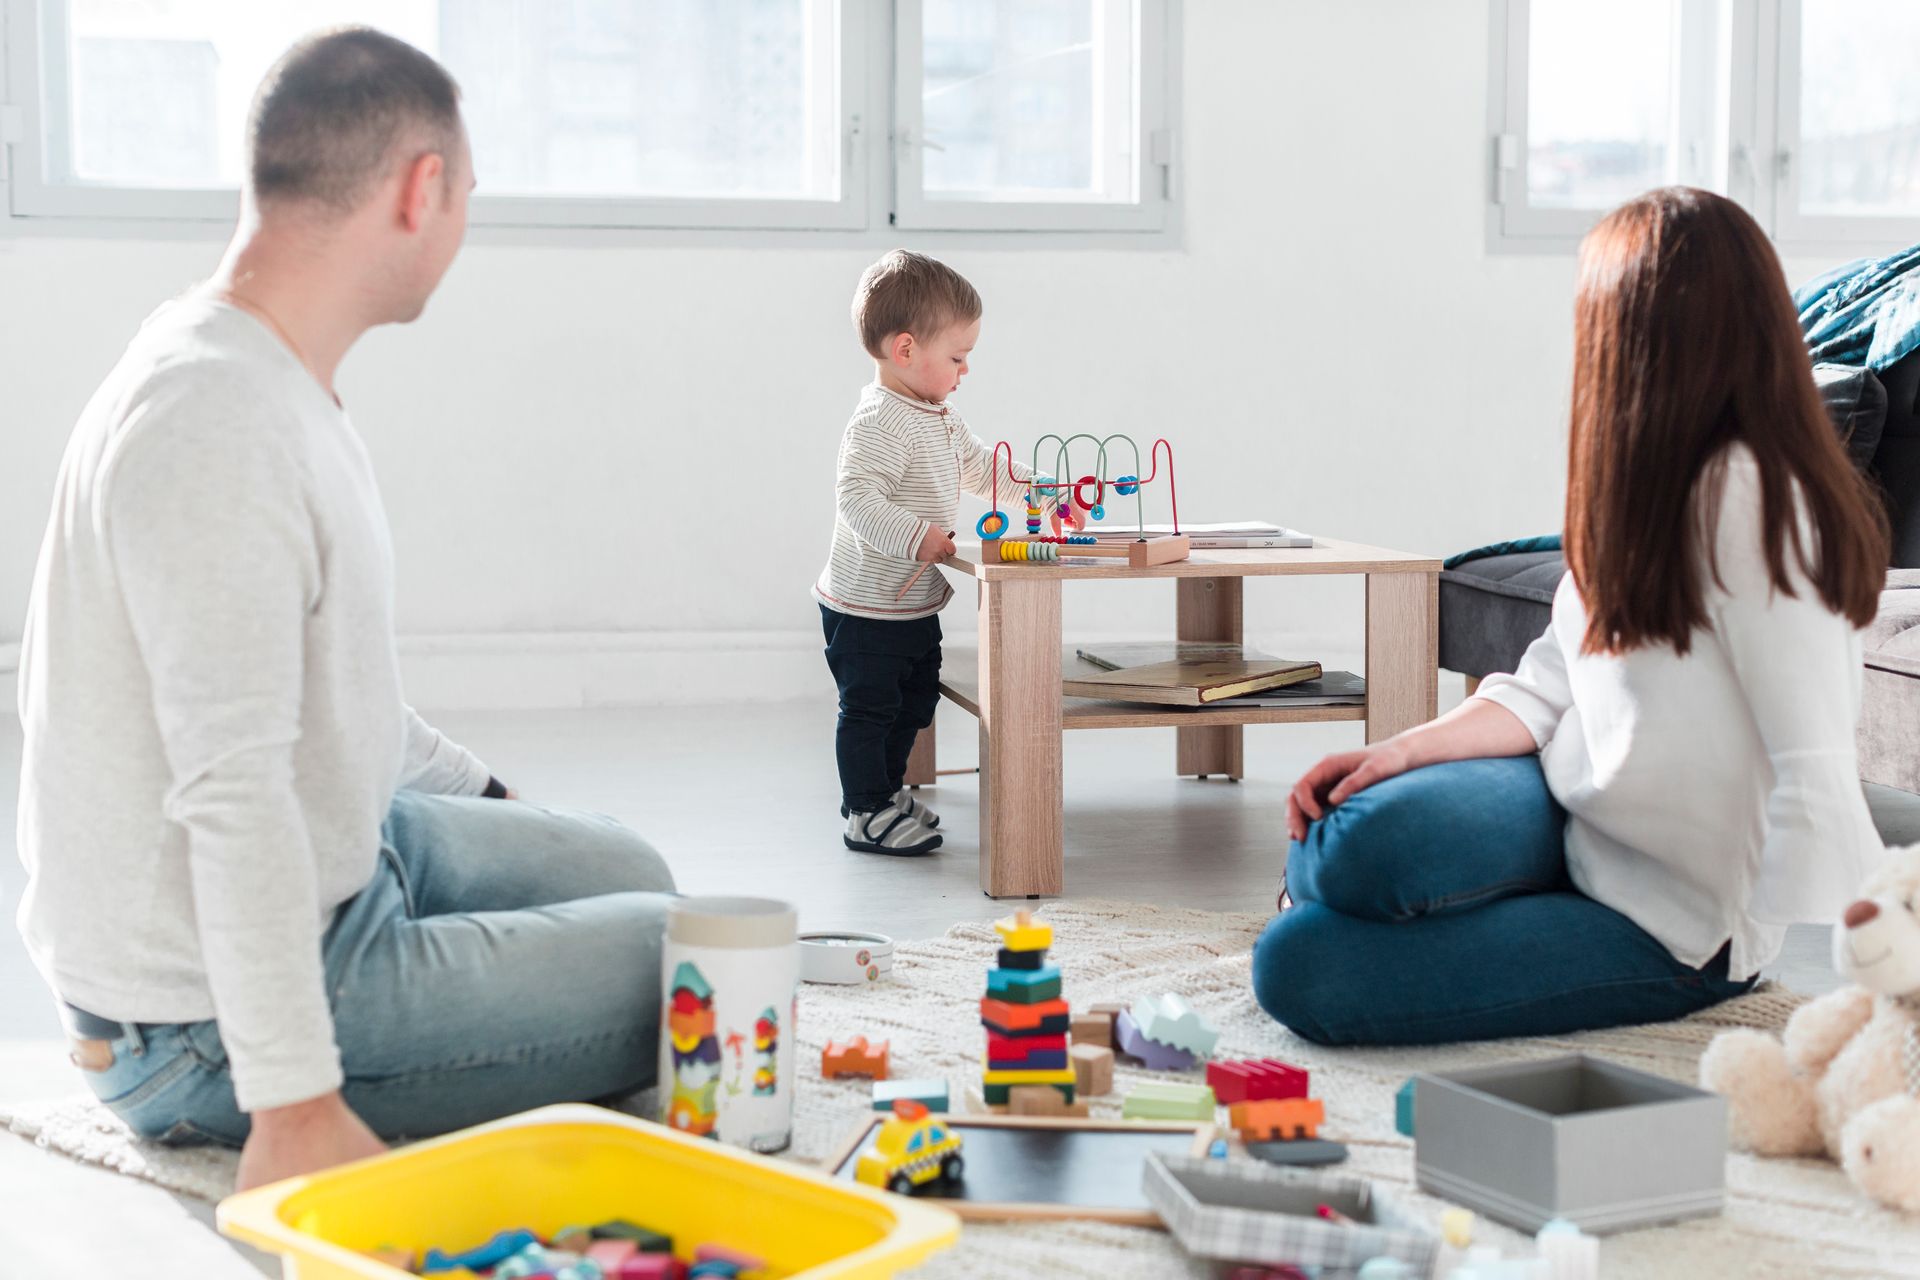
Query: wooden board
{"type": "Point", "coordinates": [1326, 555]}
{"type": "Point", "coordinates": [960, 684]}
{"type": "Point", "coordinates": [1036, 1167]}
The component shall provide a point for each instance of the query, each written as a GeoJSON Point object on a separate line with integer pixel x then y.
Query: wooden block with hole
{"type": "Point", "coordinates": [1092, 1069]}
{"type": "Point", "coordinates": [1042, 1100]}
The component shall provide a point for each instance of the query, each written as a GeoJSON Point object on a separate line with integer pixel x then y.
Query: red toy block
{"type": "Point", "coordinates": [1256, 1080]}
{"type": "Point", "coordinates": [854, 1058]}
{"type": "Point", "coordinates": [651, 1266]}
{"type": "Point", "coordinates": [999, 1046]}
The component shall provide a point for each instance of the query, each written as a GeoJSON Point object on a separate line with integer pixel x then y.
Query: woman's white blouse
{"type": "Point", "coordinates": [1713, 797]}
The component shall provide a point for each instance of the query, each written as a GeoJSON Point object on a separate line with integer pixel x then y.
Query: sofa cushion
{"type": "Point", "coordinates": [1893, 638]}
{"type": "Point", "coordinates": [1492, 608]}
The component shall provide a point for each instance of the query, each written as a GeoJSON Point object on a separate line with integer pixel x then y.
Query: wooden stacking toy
{"type": "Point", "coordinates": [1025, 1017]}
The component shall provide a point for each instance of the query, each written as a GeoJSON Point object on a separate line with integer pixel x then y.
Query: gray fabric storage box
{"type": "Point", "coordinates": [1601, 1145]}
{"type": "Point", "coordinates": [1247, 1211]}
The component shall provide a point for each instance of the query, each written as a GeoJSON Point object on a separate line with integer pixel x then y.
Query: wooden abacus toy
{"type": "Point", "coordinates": [1140, 552]}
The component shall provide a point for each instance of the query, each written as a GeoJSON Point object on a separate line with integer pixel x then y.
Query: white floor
{"type": "Point", "coordinates": [734, 797]}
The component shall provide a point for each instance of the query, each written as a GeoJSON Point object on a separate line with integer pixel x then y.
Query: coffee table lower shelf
{"type": "Point", "coordinates": [960, 684]}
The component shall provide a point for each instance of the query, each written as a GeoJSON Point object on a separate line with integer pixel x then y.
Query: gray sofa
{"type": "Point", "coordinates": [1492, 608]}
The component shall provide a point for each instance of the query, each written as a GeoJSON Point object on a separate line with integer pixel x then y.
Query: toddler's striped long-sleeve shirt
{"type": "Point", "coordinates": [903, 463]}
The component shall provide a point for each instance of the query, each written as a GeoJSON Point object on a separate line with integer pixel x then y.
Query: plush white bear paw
{"type": "Point", "coordinates": [1770, 1108]}
{"type": "Point", "coordinates": [1880, 1150]}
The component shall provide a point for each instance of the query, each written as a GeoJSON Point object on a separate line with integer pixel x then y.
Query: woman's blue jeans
{"type": "Point", "coordinates": [503, 956]}
{"type": "Point", "coordinates": [1435, 906]}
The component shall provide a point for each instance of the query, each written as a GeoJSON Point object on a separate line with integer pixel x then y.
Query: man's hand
{"type": "Point", "coordinates": [303, 1137]}
{"type": "Point", "coordinates": [1340, 775]}
{"type": "Point", "coordinates": [935, 545]}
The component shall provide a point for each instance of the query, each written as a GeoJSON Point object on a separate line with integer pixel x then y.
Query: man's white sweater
{"type": "Point", "coordinates": [211, 699]}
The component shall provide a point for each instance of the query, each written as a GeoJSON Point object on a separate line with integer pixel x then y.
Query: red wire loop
{"type": "Point", "coordinates": [1173, 498]}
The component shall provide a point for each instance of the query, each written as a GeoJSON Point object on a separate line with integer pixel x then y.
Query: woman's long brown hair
{"type": "Point", "coordinates": [1685, 341]}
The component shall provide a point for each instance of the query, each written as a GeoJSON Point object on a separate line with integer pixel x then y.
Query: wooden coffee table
{"type": "Point", "coordinates": [1014, 687]}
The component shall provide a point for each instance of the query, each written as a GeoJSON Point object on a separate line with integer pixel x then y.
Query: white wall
{"type": "Point", "coordinates": [625, 439]}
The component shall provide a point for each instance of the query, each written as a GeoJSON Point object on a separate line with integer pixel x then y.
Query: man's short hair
{"type": "Point", "coordinates": [326, 120]}
{"type": "Point", "coordinates": [908, 292]}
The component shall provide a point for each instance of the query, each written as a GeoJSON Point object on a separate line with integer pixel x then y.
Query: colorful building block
{"type": "Point", "coordinates": [1056, 1075]}
{"type": "Point", "coordinates": [1024, 986]}
{"type": "Point", "coordinates": [1162, 1100]}
{"type": "Point", "coordinates": [931, 1094]}
{"type": "Point", "coordinates": [644, 1239]}
{"type": "Point", "coordinates": [651, 1266]}
{"type": "Point", "coordinates": [1134, 1043]}
{"type": "Point", "coordinates": [999, 1046]}
{"type": "Point", "coordinates": [1403, 1109]}
{"type": "Point", "coordinates": [1277, 1119]}
{"type": "Point", "coordinates": [504, 1245]}
{"type": "Point", "coordinates": [1092, 1069]}
{"type": "Point", "coordinates": [854, 1057]}
{"type": "Point", "coordinates": [1041, 1100]}
{"type": "Point", "coordinates": [1021, 932]}
{"type": "Point", "coordinates": [1093, 1028]}
{"type": "Point", "coordinates": [1050, 1018]}
{"type": "Point", "coordinates": [1038, 1060]}
{"type": "Point", "coordinates": [1170, 1020]}
{"type": "Point", "coordinates": [1010, 959]}
{"type": "Point", "coordinates": [722, 1253]}
{"type": "Point", "coordinates": [610, 1255]}
{"type": "Point", "coordinates": [1001, 1095]}
{"type": "Point", "coordinates": [1252, 1079]}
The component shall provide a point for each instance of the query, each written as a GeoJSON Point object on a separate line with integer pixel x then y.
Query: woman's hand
{"type": "Point", "coordinates": [1329, 783]}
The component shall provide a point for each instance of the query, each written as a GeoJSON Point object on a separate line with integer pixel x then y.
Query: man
{"type": "Point", "coordinates": [273, 901]}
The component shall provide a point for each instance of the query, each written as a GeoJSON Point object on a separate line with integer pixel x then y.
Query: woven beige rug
{"type": "Point", "coordinates": [1783, 1218]}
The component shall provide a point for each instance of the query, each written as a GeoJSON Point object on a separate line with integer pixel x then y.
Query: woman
{"type": "Point", "coordinates": [1622, 829]}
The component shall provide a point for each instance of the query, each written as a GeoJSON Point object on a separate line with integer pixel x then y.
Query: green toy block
{"type": "Point", "coordinates": [1158, 1100]}
{"type": "Point", "coordinates": [1000, 1095]}
{"type": "Point", "coordinates": [1403, 1109]}
{"type": "Point", "coordinates": [647, 1241]}
{"type": "Point", "coordinates": [931, 1094]}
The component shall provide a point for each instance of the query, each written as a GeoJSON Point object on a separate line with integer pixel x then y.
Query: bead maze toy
{"type": "Point", "coordinates": [998, 543]}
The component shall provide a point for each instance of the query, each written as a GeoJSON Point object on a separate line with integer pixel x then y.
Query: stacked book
{"type": "Point", "coordinates": [1203, 673]}
{"type": "Point", "coordinates": [1235, 533]}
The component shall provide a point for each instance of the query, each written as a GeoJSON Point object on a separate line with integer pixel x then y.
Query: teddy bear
{"type": "Point", "coordinates": [1843, 1083]}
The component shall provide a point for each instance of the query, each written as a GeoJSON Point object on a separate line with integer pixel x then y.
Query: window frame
{"type": "Point", "coordinates": [914, 210]}
{"type": "Point", "coordinates": [865, 211]}
{"type": "Point", "coordinates": [1750, 151]}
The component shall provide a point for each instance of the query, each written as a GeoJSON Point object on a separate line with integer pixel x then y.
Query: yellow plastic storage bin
{"type": "Point", "coordinates": [571, 1165]}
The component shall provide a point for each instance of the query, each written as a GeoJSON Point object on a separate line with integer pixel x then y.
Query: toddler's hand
{"type": "Point", "coordinates": [935, 545]}
{"type": "Point", "coordinates": [1076, 516]}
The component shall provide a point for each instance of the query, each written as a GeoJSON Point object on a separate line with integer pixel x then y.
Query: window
{"type": "Point", "coordinates": [1807, 111]}
{"type": "Point", "coordinates": [1039, 106]}
{"type": "Point", "coordinates": [1022, 114]}
{"type": "Point", "coordinates": [1850, 116]}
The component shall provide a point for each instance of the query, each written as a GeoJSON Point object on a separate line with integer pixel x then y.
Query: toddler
{"type": "Point", "coordinates": [904, 459]}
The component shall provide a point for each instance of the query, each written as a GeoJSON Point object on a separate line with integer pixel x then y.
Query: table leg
{"type": "Point", "coordinates": [1208, 609]}
{"type": "Point", "coordinates": [1022, 844]}
{"type": "Point", "coordinates": [1403, 651]}
{"type": "Point", "coordinates": [920, 762]}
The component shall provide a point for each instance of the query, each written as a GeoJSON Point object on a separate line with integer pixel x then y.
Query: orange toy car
{"type": "Point", "coordinates": [1277, 1119]}
{"type": "Point", "coordinates": [854, 1058]}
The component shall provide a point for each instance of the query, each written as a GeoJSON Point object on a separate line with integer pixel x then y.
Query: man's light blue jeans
{"type": "Point", "coordinates": [503, 956]}
{"type": "Point", "coordinates": [1435, 906]}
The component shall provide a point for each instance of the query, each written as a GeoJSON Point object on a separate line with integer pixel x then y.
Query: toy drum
{"type": "Point", "coordinates": [728, 975]}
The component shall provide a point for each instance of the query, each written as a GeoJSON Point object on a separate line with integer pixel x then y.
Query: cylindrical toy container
{"type": "Point", "coordinates": [730, 971]}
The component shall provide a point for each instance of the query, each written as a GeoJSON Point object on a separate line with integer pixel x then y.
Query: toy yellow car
{"type": "Point", "coordinates": [914, 1147]}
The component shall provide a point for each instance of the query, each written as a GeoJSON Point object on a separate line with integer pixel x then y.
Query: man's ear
{"type": "Point", "coordinates": [420, 189]}
{"type": "Point", "coordinates": [900, 349]}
